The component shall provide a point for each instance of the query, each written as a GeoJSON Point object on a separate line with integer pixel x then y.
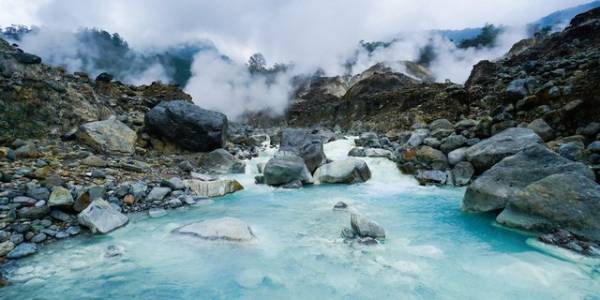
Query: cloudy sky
{"type": "Point", "coordinates": [283, 30]}
{"type": "Point", "coordinates": [310, 33]}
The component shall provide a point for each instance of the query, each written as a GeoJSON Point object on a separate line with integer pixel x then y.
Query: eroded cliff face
{"type": "Point", "coordinates": [37, 100]}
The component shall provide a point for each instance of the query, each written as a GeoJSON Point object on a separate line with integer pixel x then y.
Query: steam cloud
{"type": "Point", "coordinates": [312, 34]}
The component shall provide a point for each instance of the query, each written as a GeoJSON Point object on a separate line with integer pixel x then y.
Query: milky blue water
{"type": "Point", "coordinates": [432, 251]}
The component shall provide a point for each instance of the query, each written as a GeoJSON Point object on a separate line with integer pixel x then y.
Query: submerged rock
{"type": "Point", "coordinates": [187, 125]}
{"type": "Point", "coordinates": [349, 170]}
{"type": "Point", "coordinates": [487, 153]}
{"type": "Point", "coordinates": [209, 189]}
{"type": "Point", "coordinates": [364, 227]}
{"type": "Point", "coordinates": [228, 229]}
{"type": "Point", "coordinates": [101, 217]}
{"type": "Point", "coordinates": [284, 168]}
{"type": "Point", "coordinates": [569, 201]}
{"type": "Point", "coordinates": [495, 187]}
{"type": "Point", "coordinates": [109, 136]}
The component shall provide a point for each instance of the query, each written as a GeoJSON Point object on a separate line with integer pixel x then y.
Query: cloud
{"type": "Point", "coordinates": [310, 33]}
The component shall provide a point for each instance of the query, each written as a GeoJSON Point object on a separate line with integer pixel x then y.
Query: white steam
{"type": "Point", "coordinates": [228, 87]}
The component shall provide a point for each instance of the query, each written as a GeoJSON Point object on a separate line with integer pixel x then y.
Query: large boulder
{"type": "Point", "coordinates": [349, 170]}
{"type": "Point", "coordinates": [432, 158]}
{"type": "Point", "coordinates": [487, 153]}
{"type": "Point", "coordinates": [187, 125]}
{"type": "Point", "coordinates": [101, 217]}
{"type": "Point", "coordinates": [216, 188]}
{"type": "Point", "coordinates": [220, 161]}
{"type": "Point", "coordinates": [495, 187]}
{"type": "Point", "coordinates": [228, 229]}
{"type": "Point", "coordinates": [568, 201]}
{"type": "Point", "coordinates": [108, 136]}
{"type": "Point", "coordinates": [284, 168]}
{"type": "Point", "coordinates": [304, 144]}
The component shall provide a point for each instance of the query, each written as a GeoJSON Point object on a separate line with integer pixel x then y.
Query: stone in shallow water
{"type": "Point", "coordinates": [101, 217]}
{"type": "Point", "coordinates": [340, 205]}
{"type": "Point", "coordinates": [364, 227]}
{"type": "Point", "coordinates": [229, 229]}
{"type": "Point", "coordinates": [156, 212]}
{"type": "Point", "coordinates": [22, 250]}
{"type": "Point", "coordinates": [350, 170]}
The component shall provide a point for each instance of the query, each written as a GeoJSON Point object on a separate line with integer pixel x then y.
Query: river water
{"type": "Point", "coordinates": [432, 250]}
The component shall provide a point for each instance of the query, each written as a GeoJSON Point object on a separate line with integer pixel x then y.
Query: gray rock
{"type": "Point", "coordinates": [6, 247]}
{"type": "Point", "coordinates": [489, 152]}
{"type": "Point", "coordinates": [350, 170]}
{"type": "Point", "coordinates": [441, 128]}
{"type": "Point", "coordinates": [417, 137]}
{"type": "Point", "coordinates": [209, 189]}
{"type": "Point", "coordinates": [284, 168]}
{"type": "Point", "coordinates": [462, 173]}
{"type": "Point", "coordinates": [306, 145]}
{"type": "Point", "coordinates": [38, 238]}
{"type": "Point", "coordinates": [228, 229]}
{"type": "Point", "coordinates": [188, 125]}
{"type": "Point", "coordinates": [432, 142]}
{"type": "Point", "coordinates": [594, 147]}
{"type": "Point", "coordinates": [426, 177]}
{"type": "Point", "coordinates": [22, 250]}
{"type": "Point", "coordinates": [370, 152]}
{"type": "Point", "coordinates": [33, 213]}
{"type": "Point", "coordinates": [492, 189]}
{"type": "Point", "coordinates": [453, 142]}
{"type": "Point", "coordinates": [220, 161]}
{"type": "Point", "coordinates": [340, 205]}
{"type": "Point", "coordinates": [61, 216]}
{"type": "Point", "coordinates": [591, 130]}
{"type": "Point", "coordinates": [39, 193]}
{"type": "Point", "coordinates": [568, 201]}
{"type": "Point", "coordinates": [457, 156]}
{"type": "Point", "coordinates": [109, 136]}
{"type": "Point", "coordinates": [174, 183]}
{"type": "Point", "coordinates": [158, 194]}
{"type": "Point", "coordinates": [101, 217]}
{"type": "Point", "coordinates": [368, 139]}
{"type": "Point", "coordinates": [432, 158]}
{"type": "Point", "coordinates": [364, 227]}
{"type": "Point", "coordinates": [17, 238]}
{"type": "Point", "coordinates": [24, 200]}
{"type": "Point", "coordinates": [541, 128]}
{"type": "Point", "coordinates": [296, 184]}
{"type": "Point", "coordinates": [573, 151]}
{"type": "Point", "coordinates": [60, 197]}
{"type": "Point", "coordinates": [73, 230]}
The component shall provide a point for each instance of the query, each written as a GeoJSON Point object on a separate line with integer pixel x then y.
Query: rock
{"type": "Point", "coordinates": [33, 213]}
{"type": "Point", "coordinates": [228, 229]}
{"type": "Point", "coordinates": [573, 151]}
{"type": "Point", "coordinates": [357, 152]}
{"type": "Point", "coordinates": [24, 200]}
{"type": "Point", "coordinates": [364, 227]}
{"type": "Point", "coordinates": [187, 125]}
{"type": "Point", "coordinates": [38, 193]}
{"type": "Point", "coordinates": [86, 197]}
{"type": "Point", "coordinates": [138, 189]}
{"type": "Point", "coordinates": [203, 177]}
{"type": "Point", "coordinates": [101, 217]}
{"type": "Point", "coordinates": [568, 201]}
{"type": "Point", "coordinates": [38, 238]}
{"type": "Point", "coordinates": [349, 170]}
{"type": "Point", "coordinates": [73, 230]}
{"type": "Point", "coordinates": [340, 205]}
{"type": "Point", "coordinates": [156, 212]}
{"type": "Point", "coordinates": [108, 136]}
{"type": "Point", "coordinates": [158, 194]}
{"type": "Point", "coordinates": [462, 173]}
{"type": "Point", "coordinates": [27, 58]}
{"type": "Point", "coordinates": [495, 187]}
{"type": "Point", "coordinates": [174, 203]}
{"type": "Point", "coordinates": [6, 247]}
{"type": "Point", "coordinates": [453, 142]}
{"type": "Point", "coordinates": [441, 128]}
{"type": "Point", "coordinates": [209, 189]}
{"type": "Point", "coordinates": [186, 166]}
{"type": "Point", "coordinates": [220, 161]}
{"type": "Point", "coordinates": [591, 130]}
{"type": "Point", "coordinates": [348, 233]}
{"type": "Point", "coordinates": [370, 152]}
{"type": "Point", "coordinates": [417, 137]}
{"type": "Point", "coordinates": [306, 145]}
{"type": "Point", "coordinates": [259, 179]}
{"type": "Point", "coordinates": [368, 139]}
{"type": "Point", "coordinates": [564, 239]}
{"type": "Point", "coordinates": [174, 183]}
{"type": "Point", "coordinates": [260, 167]}
{"type": "Point", "coordinates": [129, 200]}
{"type": "Point", "coordinates": [22, 250]}
{"type": "Point", "coordinates": [432, 158]}
{"type": "Point", "coordinates": [61, 216]}
{"type": "Point", "coordinates": [296, 184]}
{"type": "Point", "coordinates": [104, 77]}
{"type": "Point", "coordinates": [432, 142]}
{"type": "Point", "coordinates": [465, 124]}
{"type": "Point", "coordinates": [457, 156]}
{"type": "Point", "coordinates": [541, 128]}
{"type": "Point", "coordinates": [60, 197]}
{"type": "Point", "coordinates": [489, 152]}
{"type": "Point", "coordinates": [426, 177]}
{"type": "Point", "coordinates": [594, 147]}
{"type": "Point", "coordinates": [114, 250]}
{"type": "Point", "coordinates": [286, 167]}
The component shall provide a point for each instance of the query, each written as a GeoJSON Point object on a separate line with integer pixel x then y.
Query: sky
{"type": "Point", "coordinates": [310, 33]}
